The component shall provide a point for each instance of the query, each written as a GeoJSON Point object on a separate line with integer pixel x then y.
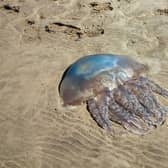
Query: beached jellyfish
{"type": "Point", "coordinates": [114, 88]}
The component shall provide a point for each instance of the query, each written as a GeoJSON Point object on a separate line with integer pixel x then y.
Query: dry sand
{"type": "Point", "coordinates": [38, 40]}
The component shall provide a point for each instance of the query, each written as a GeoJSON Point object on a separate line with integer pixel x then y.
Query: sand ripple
{"type": "Point", "coordinates": [38, 40]}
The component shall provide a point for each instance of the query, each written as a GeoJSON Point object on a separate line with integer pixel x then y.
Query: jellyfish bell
{"type": "Point", "coordinates": [90, 74]}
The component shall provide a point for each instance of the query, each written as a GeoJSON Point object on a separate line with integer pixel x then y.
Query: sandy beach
{"type": "Point", "coordinates": [39, 39]}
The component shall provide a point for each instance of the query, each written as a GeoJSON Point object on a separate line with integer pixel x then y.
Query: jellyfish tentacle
{"type": "Point", "coordinates": [116, 112]}
{"type": "Point", "coordinates": [98, 107]}
{"type": "Point", "coordinates": [129, 101]}
{"type": "Point", "coordinates": [129, 121]}
{"type": "Point", "coordinates": [148, 100]}
{"type": "Point", "coordinates": [154, 86]}
{"type": "Point", "coordinates": [131, 125]}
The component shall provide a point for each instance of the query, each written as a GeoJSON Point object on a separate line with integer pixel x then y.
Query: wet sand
{"type": "Point", "coordinates": [38, 40]}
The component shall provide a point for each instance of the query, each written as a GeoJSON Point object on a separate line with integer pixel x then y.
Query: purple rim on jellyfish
{"type": "Point", "coordinates": [114, 88]}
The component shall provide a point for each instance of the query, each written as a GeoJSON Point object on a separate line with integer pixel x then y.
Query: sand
{"type": "Point", "coordinates": [38, 41]}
